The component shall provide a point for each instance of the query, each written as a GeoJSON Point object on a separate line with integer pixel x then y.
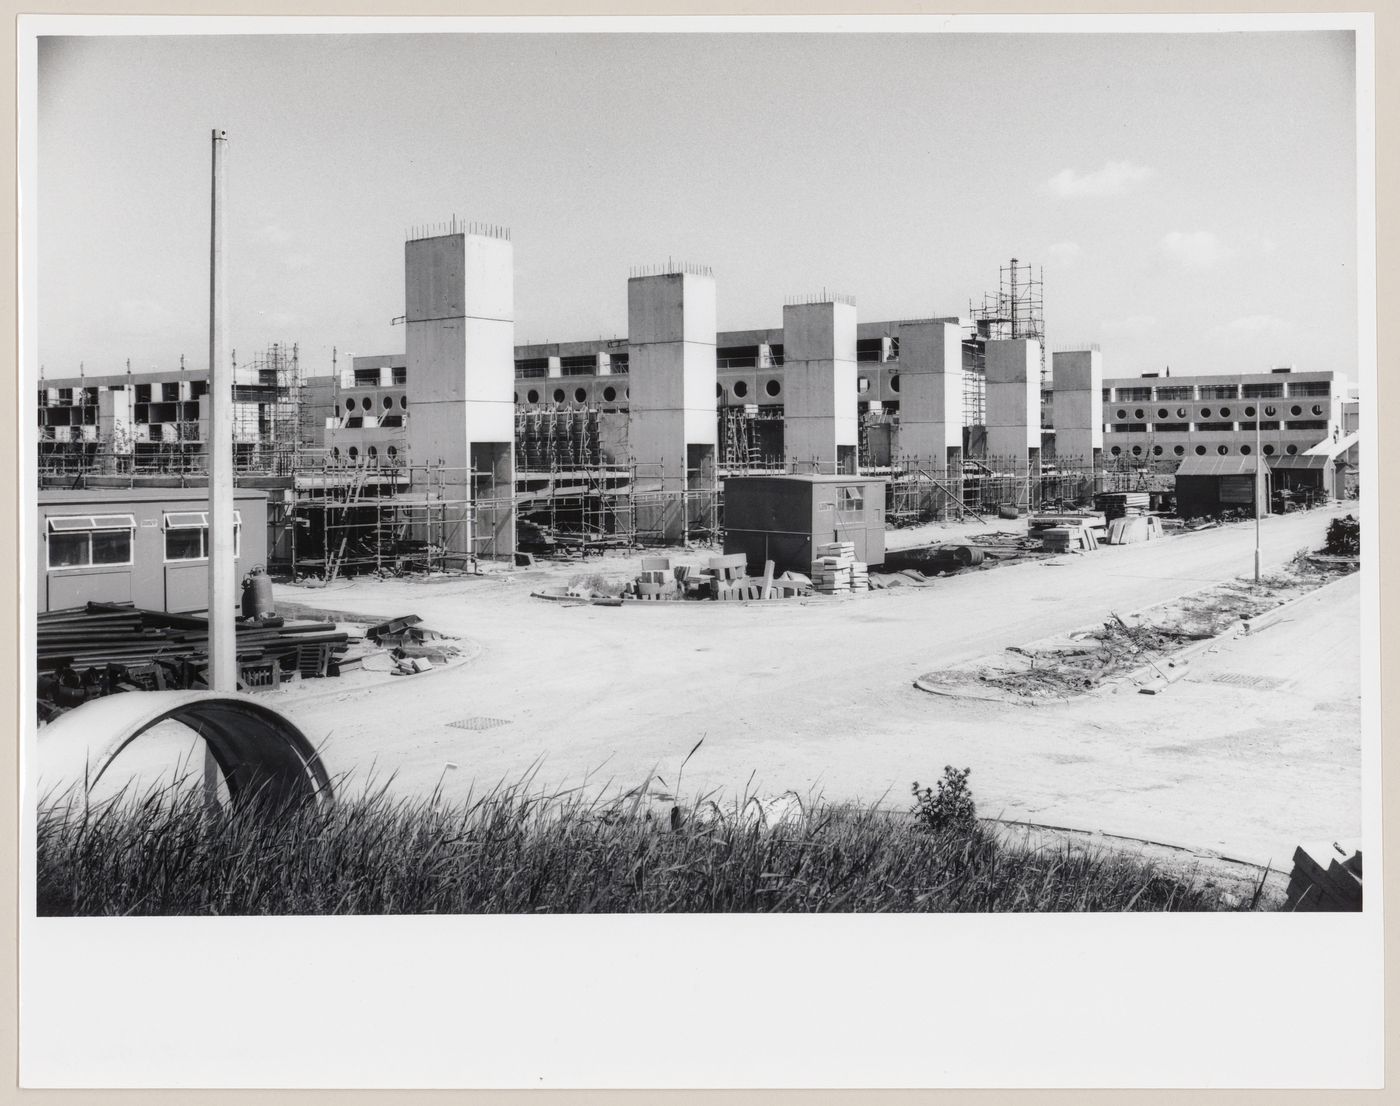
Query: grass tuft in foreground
{"type": "Point", "coordinates": [517, 850]}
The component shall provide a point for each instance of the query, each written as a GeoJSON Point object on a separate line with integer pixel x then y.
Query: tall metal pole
{"type": "Point", "coordinates": [1259, 482]}
{"type": "Point", "coordinates": [222, 641]}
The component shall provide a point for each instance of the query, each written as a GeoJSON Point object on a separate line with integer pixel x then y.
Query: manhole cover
{"type": "Point", "coordinates": [1243, 679]}
{"type": "Point", "coordinates": [478, 723]}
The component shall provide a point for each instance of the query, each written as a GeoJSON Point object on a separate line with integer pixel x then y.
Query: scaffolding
{"type": "Point", "coordinates": [1015, 310]}
{"type": "Point", "coordinates": [921, 491]}
{"type": "Point", "coordinates": [268, 430]}
{"type": "Point", "coordinates": [746, 434]}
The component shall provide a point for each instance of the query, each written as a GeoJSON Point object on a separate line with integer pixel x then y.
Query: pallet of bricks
{"type": "Point", "coordinates": [836, 570]}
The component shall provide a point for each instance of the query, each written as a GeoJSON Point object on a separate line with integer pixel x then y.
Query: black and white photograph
{"type": "Point", "coordinates": [776, 468]}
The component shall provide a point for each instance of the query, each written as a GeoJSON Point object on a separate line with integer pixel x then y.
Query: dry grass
{"type": "Point", "coordinates": [517, 849]}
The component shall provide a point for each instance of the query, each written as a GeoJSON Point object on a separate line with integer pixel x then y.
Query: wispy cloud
{"type": "Point", "coordinates": [1113, 179]}
{"type": "Point", "coordinates": [1197, 249]}
{"type": "Point", "coordinates": [1064, 253]}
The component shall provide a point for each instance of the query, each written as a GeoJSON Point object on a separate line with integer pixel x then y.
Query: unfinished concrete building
{"type": "Point", "coordinates": [1013, 404]}
{"type": "Point", "coordinates": [672, 430]}
{"type": "Point", "coordinates": [820, 419]}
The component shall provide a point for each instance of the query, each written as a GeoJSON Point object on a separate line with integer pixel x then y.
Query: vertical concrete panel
{"type": "Point", "coordinates": [1013, 398]}
{"type": "Point", "coordinates": [820, 414]}
{"type": "Point", "coordinates": [1077, 376]}
{"type": "Point", "coordinates": [672, 377]}
{"type": "Point", "coordinates": [460, 342]}
{"type": "Point", "coordinates": [930, 390]}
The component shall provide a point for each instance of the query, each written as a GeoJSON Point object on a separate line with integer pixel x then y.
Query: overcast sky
{"type": "Point", "coordinates": [1192, 198]}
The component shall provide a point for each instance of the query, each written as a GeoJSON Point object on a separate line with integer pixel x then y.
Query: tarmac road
{"type": "Point", "coordinates": [818, 696]}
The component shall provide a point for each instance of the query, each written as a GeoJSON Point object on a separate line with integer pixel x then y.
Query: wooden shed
{"type": "Point", "coordinates": [785, 518]}
{"type": "Point", "coordinates": [1213, 485]}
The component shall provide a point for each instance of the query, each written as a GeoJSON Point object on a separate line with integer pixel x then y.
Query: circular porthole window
{"type": "Point", "coordinates": [1295, 410]}
{"type": "Point", "coordinates": [1223, 450]}
{"type": "Point", "coordinates": [393, 452]}
{"type": "Point", "coordinates": [388, 402]}
{"type": "Point", "coordinates": [1179, 450]}
{"type": "Point", "coordinates": [403, 401]}
{"type": "Point", "coordinates": [335, 453]}
{"type": "Point", "coordinates": [532, 396]}
{"type": "Point", "coordinates": [1200, 451]}
{"type": "Point", "coordinates": [894, 382]}
{"type": "Point", "coordinates": [1122, 413]}
{"type": "Point", "coordinates": [1224, 412]}
{"type": "Point", "coordinates": [373, 453]}
{"type": "Point", "coordinates": [1249, 412]}
{"type": "Point", "coordinates": [1270, 412]}
{"type": "Point", "coordinates": [1291, 450]}
{"type": "Point", "coordinates": [1181, 412]}
{"type": "Point", "coordinates": [580, 394]}
{"type": "Point", "coordinates": [1268, 451]}
{"type": "Point", "coordinates": [719, 391]}
{"type": "Point", "coordinates": [1116, 450]}
{"type": "Point", "coordinates": [609, 393]}
{"type": "Point", "coordinates": [349, 404]}
{"type": "Point", "coordinates": [1156, 451]}
{"type": "Point", "coordinates": [741, 388]}
{"type": "Point", "coordinates": [1138, 413]}
{"type": "Point", "coordinates": [354, 453]}
{"type": "Point", "coordinates": [772, 387]}
{"type": "Point", "coordinates": [1246, 450]}
{"type": "Point", "coordinates": [1162, 413]}
{"type": "Point", "coordinates": [1317, 408]}
{"type": "Point", "coordinates": [1205, 412]}
{"type": "Point", "coordinates": [558, 395]}
{"type": "Point", "coordinates": [1137, 451]}
{"type": "Point", "coordinates": [517, 398]}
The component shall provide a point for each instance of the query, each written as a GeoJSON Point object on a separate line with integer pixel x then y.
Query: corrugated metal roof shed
{"type": "Point", "coordinates": [1301, 461]}
{"type": "Point", "coordinates": [1216, 466]}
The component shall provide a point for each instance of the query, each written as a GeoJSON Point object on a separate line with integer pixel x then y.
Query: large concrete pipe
{"type": "Point", "coordinates": [256, 749]}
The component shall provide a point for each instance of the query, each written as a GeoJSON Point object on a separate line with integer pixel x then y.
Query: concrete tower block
{"type": "Point", "coordinates": [820, 418]}
{"type": "Point", "coordinates": [672, 426]}
{"type": "Point", "coordinates": [1077, 376]}
{"type": "Point", "coordinates": [1013, 399]}
{"type": "Point", "coordinates": [930, 391]}
{"type": "Point", "coordinates": [460, 335]}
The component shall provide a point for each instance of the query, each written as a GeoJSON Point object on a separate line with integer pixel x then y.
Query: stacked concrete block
{"type": "Point", "coordinates": [836, 570]}
{"type": "Point", "coordinates": [820, 415]}
{"type": "Point", "coordinates": [1078, 406]}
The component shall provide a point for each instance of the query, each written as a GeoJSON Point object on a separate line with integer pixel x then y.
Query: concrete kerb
{"type": "Point", "coordinates": [1249, 625]}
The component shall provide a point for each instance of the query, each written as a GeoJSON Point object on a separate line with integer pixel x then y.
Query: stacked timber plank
{"type": "Point", "coordinates": [1326, 876]}
{"type": "Point", "coordinates": [1117, 504]}
{"type": "Point", "coordinates": [1069, 539]}
{"type": "Point", "coordinates": [84, 652]}
{"type": "Point", "coordinates": [836, 570]}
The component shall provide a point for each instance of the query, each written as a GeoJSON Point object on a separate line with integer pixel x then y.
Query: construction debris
{"type": "Point", "coordinates": [836, 570]}
{"type": "Point", "coordinates": [1325, 876]}
{"type": "Point", "coordinates": [104, 648]}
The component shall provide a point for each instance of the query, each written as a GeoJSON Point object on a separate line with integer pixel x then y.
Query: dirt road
{"type": "Point", "coordinates": [818, 696]}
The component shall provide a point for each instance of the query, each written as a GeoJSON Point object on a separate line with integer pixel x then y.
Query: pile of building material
{"type": "Point", "coordinates": [414, 647]}
{"type": "Point", "coordinates": [1069, 539]}
{"type": "Point", "coordinates": [836, 570]}
{"type": "Point", "coordinates": [103, 648]}
{"type": "Point", "coordinates": [1117, 504]}
{"type": "Point", "coordinates": [1134, 528]}
{"type": "Point", "coordinates": [1037, 524]}
{"type": "Point", "coordinates": [723, 578]}
{"type": "Point", "coordinates": [1325, 877]}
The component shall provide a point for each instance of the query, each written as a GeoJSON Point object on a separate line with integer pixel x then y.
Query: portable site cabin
{"type": "Point", "coordinates": [785, 518]}
{"type": "Point", "coordinates": [147, 546]}
{"type": "Point", "coordinates": [1212, 485]}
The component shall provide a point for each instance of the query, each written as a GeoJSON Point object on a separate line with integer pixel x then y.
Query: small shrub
{"type": "Point", "coordinates": [949, 808]}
